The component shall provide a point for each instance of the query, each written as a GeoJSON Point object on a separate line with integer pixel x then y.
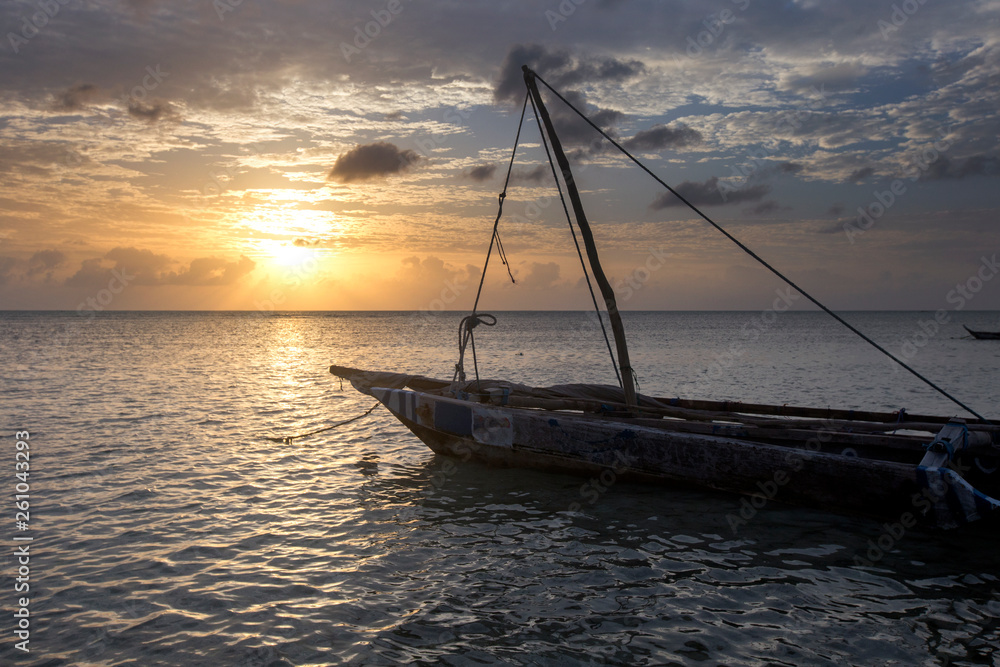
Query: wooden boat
{"type": "Point", "coordinates": [983, 335]}
{"type": "Point", "coordinates": [907, 468]}
{"type": "Point", "coordinates": [880, 464]}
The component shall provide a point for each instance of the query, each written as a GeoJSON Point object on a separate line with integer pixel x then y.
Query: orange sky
{"type": "Point", "coordinates": [160, 155]}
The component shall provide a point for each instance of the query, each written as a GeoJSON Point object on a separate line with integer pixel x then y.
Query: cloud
{"type": "Point", "coordinates": [152, 112]}
{"type": "Point", "coordinates": [8, 272]}
{"type": "Point", "coordinates": [859, 175]}
{"type": "Point", "coordinates": [369, 161]}
{"type": "Point", "coordinates": [563, 71]}
{"type": "Point", "coordinates": [75, 97]}
{"type": "Point", "coordinates": [207, 271]}
{"type": "Point", "coordinates": [483, 172]}
{"type": "Point", "coordinates": [659, 137]}
{"type": "Point", "coordinates": [769, 206]}
{"type": "Point", "coordinates": [135, 266]}
{"type": "Point", "coordinates": [540, 276]}
{"type": "Point", "coordinates": [788, 167]}
{"type": "Point", "coordinates": [558, 68]}
{"type": "Point", "coordinates": [709, 193]}
{"type": "Point", "coordinates": [976, 165]}
{"type": "Point", "coordinates": [147, 267]}
{"type": "Point", "coordinates": [827, 78]}
{"type": "Point", "coordinates": [45, 262]}
{"type": "Point", "coordinates": [536, 174]}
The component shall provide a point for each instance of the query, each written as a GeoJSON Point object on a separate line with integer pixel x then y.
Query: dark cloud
{"type": "Point", "coordinates": [835, 78]}
{"type": "Point", "coordinates": [574, 131]}
{"type": "Point", "coordinates": [709, 193]}
{"type": "Point", "coordinates": [534, 175]}
{"type": "Point", "coordinates": [563, 71]}
{"type": "Point", "coordinates": [769, 206]}
{"type": "Point", "coordinates": [75, 97]}
{"type": "Point", "coordinates": [483, 172]}
{"type": "Point", "coordinates": [836, 209]}
{"type": "Point", "coordinates": [368, 161]}
{"type": "Point", "coordinates": [859, 175]}
{"type": "Point", "coordinates": [558, 68]}
{"type": "Point", "coordinates": [977, 165]}
{"type": "Point", "coordinates": [788, 167]}
{"type": "Point", "coordinates": [152, 112]}
{"type": "Point", "coordinates": [659, 137]}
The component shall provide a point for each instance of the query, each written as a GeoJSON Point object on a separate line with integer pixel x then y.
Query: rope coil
{"type": "Point", "coordinates": [465, 336]}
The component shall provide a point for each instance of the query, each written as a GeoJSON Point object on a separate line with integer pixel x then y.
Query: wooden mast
{"type": "Point", "coordinates": [628, 379]}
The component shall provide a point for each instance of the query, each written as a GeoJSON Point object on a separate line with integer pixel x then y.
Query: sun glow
{"type": "Point", "coordinates": [287, 255]}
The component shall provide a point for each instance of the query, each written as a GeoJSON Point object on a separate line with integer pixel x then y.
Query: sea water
{"type": "Point", "coordinates": [166, 528]}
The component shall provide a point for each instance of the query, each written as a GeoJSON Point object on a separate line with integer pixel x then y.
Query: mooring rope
{"type": "Point", "coordinates": [758, 258]}
{"type": "Point", "coordinates": [288, 438]}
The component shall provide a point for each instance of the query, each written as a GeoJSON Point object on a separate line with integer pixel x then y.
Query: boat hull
{"type": "Point", "coordinates": [589, 445]}
{"type": "Point", "coordinates": [984, 335]}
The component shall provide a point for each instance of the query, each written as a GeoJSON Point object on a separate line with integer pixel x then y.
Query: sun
{"type": "Point", "coordinates": [287, 255]}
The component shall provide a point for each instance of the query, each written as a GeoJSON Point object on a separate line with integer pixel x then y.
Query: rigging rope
{"type": "Point", "coordinates": [579, 252]}
{"type": "Point", "coordinates": [759, 259]}
{"type": "Point", "coordinates": [465, 327]}
{"type": "Point", "coordinates": [288, 439]}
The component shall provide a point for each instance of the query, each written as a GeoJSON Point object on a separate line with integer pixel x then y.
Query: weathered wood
{"type": "Point", "coordinates": [801, 411]}
{"type": "Point", "coordinates": [593, 405]}
{"type": "Point", "coordinates": [905, 444]}
{"type": "Point", "coordinates": [608, 292]}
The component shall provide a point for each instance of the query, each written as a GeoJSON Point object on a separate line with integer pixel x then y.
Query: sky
{"type": "Point", "coordinates": [304, 155]}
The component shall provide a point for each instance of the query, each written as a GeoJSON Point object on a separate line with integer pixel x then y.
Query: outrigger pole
{"type": "Point", "coordinates": [628, 376]}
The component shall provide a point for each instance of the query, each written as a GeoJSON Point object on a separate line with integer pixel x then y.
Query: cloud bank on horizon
{"type": "Point", "coordinates": [226, 154]}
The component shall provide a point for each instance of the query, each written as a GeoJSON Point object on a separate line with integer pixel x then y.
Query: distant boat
{"type": "Point", "coordinates": [906, 468]}
{"type": "Point", "coordinates": [983, 335]}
